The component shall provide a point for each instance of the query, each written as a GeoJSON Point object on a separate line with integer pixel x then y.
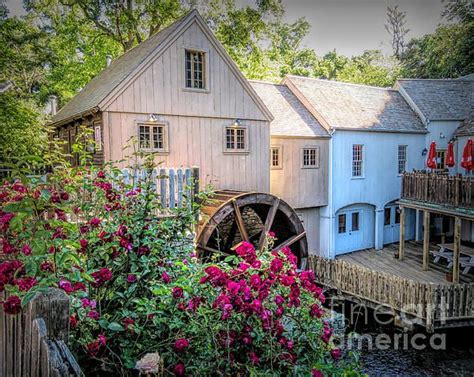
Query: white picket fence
{"type": "Point", "coordinates": [172, 185]}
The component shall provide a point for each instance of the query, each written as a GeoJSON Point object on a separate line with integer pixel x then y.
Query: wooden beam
{"type": "Point", "coordinates": [457, 248]}
{"type": "Point", "coordinates": [290, 241]}
{"type": "Point", "coordinates": [268, 223]}
{"type": "Point", "coordinates": [240, 221]}
{"type": "Point", "coordinates": [401, 250]}
{"type": "Point", "coordinates": [426, 240]}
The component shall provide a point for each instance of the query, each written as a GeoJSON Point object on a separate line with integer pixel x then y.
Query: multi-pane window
{"type": "Point", "coordinates": [440, 159]}
{"type": "Point", "coordinates": [151, 137]}
{"type": "Point", "coordinates": [310, 157]}
{"type": "Point", "coordinates": [195, 69]}
{"type": "Point", "coordinates": [397, 215]}
{"type": "Point", "coordinates": [357, 160]}
{"type": "Point", "coordinates": [235, 139]}
{"type": "Point", "coordinates": [402, 159]}
{"type": "Point", "coordinates": [275, 157]}
{"type": "Point", "coordinates": [341, 220]}
{"type": "Point", "coordinates": [355, 222]}
{"type": "Point", "coordinates": [98, 138]}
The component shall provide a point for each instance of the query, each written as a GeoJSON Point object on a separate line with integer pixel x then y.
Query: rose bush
{"type": "Point", "coordinates": [137, 287]}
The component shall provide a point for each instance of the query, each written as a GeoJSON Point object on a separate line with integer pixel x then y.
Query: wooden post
{"type": "Point", "coordinates": [195, 181]}
{"type": "Point", "coordinates": [457, 247]}
{"type": "Point", "coordinates": [426, 240]}
{"type": "Point", "coordinates": [401, 252]}
{"type": "Point", "coordinates": [32, 343]}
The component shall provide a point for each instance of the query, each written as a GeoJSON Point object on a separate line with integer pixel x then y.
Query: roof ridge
{"type": "Point", "coordinates": [342, 83]}
{"type": "Point", "coordinates": [450, 80]}
{"type": "Point", "coordinates": [265, 82]}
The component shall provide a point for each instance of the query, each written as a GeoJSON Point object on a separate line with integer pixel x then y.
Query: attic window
{"type": "Point", "coordinates": [195, 69]}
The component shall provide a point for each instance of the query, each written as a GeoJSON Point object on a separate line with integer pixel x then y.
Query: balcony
{"type": "Point", "coordinates": [444, 190]}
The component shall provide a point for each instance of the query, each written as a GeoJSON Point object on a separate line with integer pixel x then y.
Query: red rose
{"type": "Point", "coordinates": [181, 344]}
{"type": "Point", "coordinates": [66, 286]}
{"type": "Point", "coordinates": [254, 359]}
{"type": "Point", "coordinates": [179, 369]}
{"type": "Point", "coordinates": [73, 321]}
{"type": "Point", "coordinates": [127, 322]}
{"type": "Point", "coordinates": [177, 292]}
{"type": "Point", "coordinates": [316, 373]}
{"type": "Point", "coordinates": [93, 348]}
{"type": "Point", "coordinates": [101, 174]}
{"type": "Point", "coordinates": [83, 243]}
{"type": "Point", "coordinates": [94, 315]}
{"type": "Point", "coordinates": [46, 266]}
{"type": "Point", "coordinates": [276, 265]}
{"type": "Point", "coordinates": [12, 305]}
{"type": "Point", "coordinates": [336, 353]}
{"type": "Point", "coordinates": [26, 250]}
{"type": "Point", "coordinates": [165, 277]}
{"type": "Point", "coordinates": [64, 196]}
{"type": "Point", "coordinates": [26, 283]}
{"type": "Point", "coordinates": [95, 222]}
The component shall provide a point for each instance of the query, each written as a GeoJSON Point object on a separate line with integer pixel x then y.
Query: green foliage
{"type": "Point", "coordinates": [447, 53]}
{"type": "Point", "coordinates": [21, 131]}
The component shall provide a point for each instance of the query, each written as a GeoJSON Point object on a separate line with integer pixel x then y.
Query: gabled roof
{"type": "Point", "coordinates": [114, 78]}
{"type": "Point", "coordinates": [355, 107]}
{"type": "Point", "coordinates": [450, 99]}
{"type": "Point", "coordinates": [291, 118]}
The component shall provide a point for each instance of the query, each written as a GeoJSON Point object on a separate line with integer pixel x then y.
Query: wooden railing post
{"type": "Point", "coordinates": [33, 343]}
{"type": "Point", "coordinates": [457, 247]}
{"type": "Point", "coordinates": [401, 251]}
{"type": "Point", "coordinates": [426, 239]}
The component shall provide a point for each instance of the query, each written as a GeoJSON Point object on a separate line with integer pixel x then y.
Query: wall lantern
{"type": "Point", "coordinates": [441, 135]}
{"type": "Point", "coordinates": [237, 123]}
{"type": "Point", "coordinates": [153, 118]}
{"type": "Point", "coordinates": [424, 152]}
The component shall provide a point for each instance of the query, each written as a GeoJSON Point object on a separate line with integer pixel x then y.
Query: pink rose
{"type": "Point", "coordinates": [181, 344]}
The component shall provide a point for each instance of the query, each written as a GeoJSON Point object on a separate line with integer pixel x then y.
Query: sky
{"type": "Point", "coordinates": [349, 26]}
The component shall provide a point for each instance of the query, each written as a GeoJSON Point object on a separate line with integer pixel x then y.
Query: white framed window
{"type": "Point", "coordinates": [236, 140]}
{"type": "Point", "coordinates": [98, 138]}
{"type": "Point", "coordinates": [152, 137]}
{"type": "Point", "coordinates": [310, 157]}
{"type": "Point", "coordinates": [402, 159]}
{"type": "Point", "coordinates": [275, 157]}
{"type": "Point", "coordinates": [195, 69]}
{"type": "Point", "coordinates": [357, 160]}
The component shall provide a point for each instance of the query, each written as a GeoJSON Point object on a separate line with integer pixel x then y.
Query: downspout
{"type": "Point", "coordinates": [330, 251]}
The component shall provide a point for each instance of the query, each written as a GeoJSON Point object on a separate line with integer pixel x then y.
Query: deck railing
{"type": "Point", "coordinates": [451, 190]}
{"type": "Point", "coordinates": [435, 305]}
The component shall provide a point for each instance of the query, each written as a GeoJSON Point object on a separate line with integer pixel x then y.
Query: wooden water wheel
{"type": "Point", "coordinates": [231, 217]}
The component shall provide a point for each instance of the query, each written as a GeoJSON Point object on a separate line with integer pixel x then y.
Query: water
{"type": "Point", "coordinates": [414, 353]}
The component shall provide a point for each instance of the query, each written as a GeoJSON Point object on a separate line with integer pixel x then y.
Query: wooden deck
{"type": "Point", "coordinates": [415, 297]}
{"type": "Point", "coordinates": [409, 268]}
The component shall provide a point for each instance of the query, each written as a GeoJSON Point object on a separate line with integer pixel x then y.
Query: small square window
{"type": "Point", "coordinates": [275, 157]}
{"type": "Point", "coordinates": [195, 69]}
{"type": "Point", "coordinates": [236, 139]}
{"type": "Point", "coordinates": [310, 157]}
{"type": "Point", "coordinates": [152, 137]}
{"type": "Point", "coordinates": [342, 223]}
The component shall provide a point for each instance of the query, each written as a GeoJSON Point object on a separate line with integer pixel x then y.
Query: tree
{"type": "Point", "coordinates": [22, 133]}
{"type": "Point", "coordinates": [449, 51]}
{"type": "Point", "coordinates": [396, 27]}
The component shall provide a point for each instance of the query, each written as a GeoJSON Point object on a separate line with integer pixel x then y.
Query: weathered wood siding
{"type": "Point", "coordinates": [160, 87]}
{"type": "Point", "coordinates": [310, 219]}
{"type": "Point", "coordinates": [199, 141]}
{"type": "Point", "coordinates": [300, 187]}
{"type": "Point", "coordinates": [196, 120]}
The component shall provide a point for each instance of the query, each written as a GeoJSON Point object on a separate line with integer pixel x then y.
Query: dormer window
{"type": "Point", "coordinates": [195, 69]}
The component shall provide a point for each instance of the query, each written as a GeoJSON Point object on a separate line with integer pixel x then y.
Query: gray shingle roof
{"type": "Point", "coordinates": [466, 128]}
{"type": "Point", "coordinates": [441, 99]}
{"type": "Point", "coordinates": [358, 107]}
{"type": "Point", "coordinates": [107, 80]}
{"type": "Point", "coordinates": [291, 118]}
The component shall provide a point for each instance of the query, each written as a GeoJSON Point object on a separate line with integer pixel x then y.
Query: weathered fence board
{"type": "Point", "coordinates": [32, 343]}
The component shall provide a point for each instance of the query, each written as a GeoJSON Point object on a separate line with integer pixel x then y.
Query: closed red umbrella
{"type": "Point", "coordinates": [431, 161]}
{"type": "Point", "coordinates": [450, 155]}
{"type": "Point", "coordinates": [467, 161]}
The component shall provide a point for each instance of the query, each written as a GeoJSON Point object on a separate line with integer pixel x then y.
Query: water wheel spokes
{"type": "Point", "coordinates": [234, 217]}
